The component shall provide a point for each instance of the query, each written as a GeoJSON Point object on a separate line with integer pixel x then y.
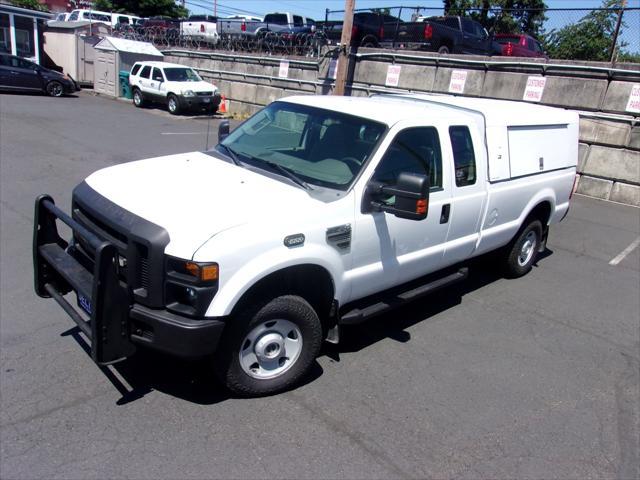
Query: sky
{"type": "Point", "coordinates": [316, 8]}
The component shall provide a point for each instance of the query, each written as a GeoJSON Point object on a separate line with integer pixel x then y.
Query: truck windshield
{"type": "Point", "coordinates": [320, 147]}
{"type": "Point", "coordinates": [178, 74]}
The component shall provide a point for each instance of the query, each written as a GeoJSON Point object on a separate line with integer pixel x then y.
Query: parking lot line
{"type": "Point", "coordinates": [621, 256]}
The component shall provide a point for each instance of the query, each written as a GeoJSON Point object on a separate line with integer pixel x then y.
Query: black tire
{"type": "Point", "coordinates": [55, 89]}
{"type": "Point", "coordinates": [138, 98]}
{"type": "Point", "coordinates": [173, 104]}
{"type": "Point", "coordinates": [521, 253]}
{"type": "Point", "coordinates": [369, 42]}
{"type": "Point", "coordinates": [287, 308]}
{"type": "Point", "coordinates": [443, 50]}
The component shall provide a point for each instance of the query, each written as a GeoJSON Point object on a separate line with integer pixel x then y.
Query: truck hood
{"type": "Point", "coordinates": [195, 196]}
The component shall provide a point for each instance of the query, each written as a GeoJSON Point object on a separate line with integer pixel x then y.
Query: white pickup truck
{"type": "Point", "coordinates": [316, 212]}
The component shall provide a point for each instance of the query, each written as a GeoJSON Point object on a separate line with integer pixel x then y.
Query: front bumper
{"type": "Point", "coordinates": [117, 323]}
{"type": "Point", "coordinates": [200, 102]}
{"type": "Point", "coordinates": [174, 334]}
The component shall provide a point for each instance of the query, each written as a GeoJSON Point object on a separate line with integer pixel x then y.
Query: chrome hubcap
{"type": "Point", "coordinates": [270, 349]}
{"type": "Point", "coordinates": [528, 248]}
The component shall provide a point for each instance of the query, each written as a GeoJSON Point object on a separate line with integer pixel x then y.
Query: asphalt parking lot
{"type": "Point", "coordinates": [530, 378]}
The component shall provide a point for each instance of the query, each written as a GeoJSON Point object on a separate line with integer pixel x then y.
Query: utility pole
{"type": "Point", "coordinates": [345, 47]}
{"type": "Point", "coordinates": [215, 8]}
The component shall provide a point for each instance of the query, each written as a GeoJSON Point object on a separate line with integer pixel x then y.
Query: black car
{"type": "Point", "coordinates": [20, 74]}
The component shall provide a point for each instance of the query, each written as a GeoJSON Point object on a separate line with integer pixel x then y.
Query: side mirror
{"type": "Point", "coordinates": [223, 130]}
{"type": "Point", "coordinates": [411, 193]}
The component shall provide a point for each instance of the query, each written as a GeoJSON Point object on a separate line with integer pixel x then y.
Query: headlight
{"type": "Point", "coordinates": [190, 286]}
{"type": "Point", "coordinates": [188, 93]}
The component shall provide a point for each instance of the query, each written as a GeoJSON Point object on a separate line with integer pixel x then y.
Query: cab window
{"type": "Point", "coordinates": [146, 72]}
{"type": "Point", "coordinates": [463, 156]}
{"type": "Point", "coordinates": [414, 150]}
{"type": "Point", "coordinates": [157, 75]}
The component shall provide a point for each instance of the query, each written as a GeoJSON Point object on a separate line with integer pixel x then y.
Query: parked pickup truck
{"type": "Point", "coordinates": [306, 217]}
{"type": "Point", "coordinates": [273, 22]}
{"type": "Point", "coordinates": [367, 30]}
{"type": "Point", "coordinates": [201, 28]}
{"type": "Point", "coordinates": [444, 35]}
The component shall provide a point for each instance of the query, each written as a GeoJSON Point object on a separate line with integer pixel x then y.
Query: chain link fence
{"type": "Point", "coordinates": [565, 34]}
{"type": "Point", "coordinates": [310, 44]}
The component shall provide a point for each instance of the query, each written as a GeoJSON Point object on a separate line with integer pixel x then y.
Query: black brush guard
{"type": "Point", "coordinates": [58, 271]}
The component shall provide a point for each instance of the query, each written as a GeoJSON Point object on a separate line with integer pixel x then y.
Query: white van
{"type": "Point", "coordinates": [123, 19]}
{"type": "Point", "coordinates": [94, 16]}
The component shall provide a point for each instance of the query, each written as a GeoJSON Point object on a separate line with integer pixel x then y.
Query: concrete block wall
{"type": "Point", "coordinates": [609, 154]}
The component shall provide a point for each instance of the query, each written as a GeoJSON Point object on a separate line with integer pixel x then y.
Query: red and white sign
{"type": "Point", "coordinates": [458, 79]}
{"type": "Point", "coordinates": [333, 68]}
{"type": "Point", "coordinates": [633, 105]}
{"type": "Point", "coordinates": [393, 76]}
{"type": "Point", "coordinates": [284, 69]}
{"type": "Point", "coordinates": [534, 89]}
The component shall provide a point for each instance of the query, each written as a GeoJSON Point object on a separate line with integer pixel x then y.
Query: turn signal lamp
{"type": "Point", "coordinates": [421, 206]}
{"type": "Point", "coordinates": [205, 272]}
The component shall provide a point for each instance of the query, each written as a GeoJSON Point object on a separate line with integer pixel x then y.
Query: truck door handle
{"type": "Point", "coordinates": [444, 215]}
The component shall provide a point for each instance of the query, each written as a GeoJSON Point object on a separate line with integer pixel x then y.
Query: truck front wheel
{"type": "Point", "coordinates": [270, 347]}
{"type": "Point", "coordinates": [521, 253]}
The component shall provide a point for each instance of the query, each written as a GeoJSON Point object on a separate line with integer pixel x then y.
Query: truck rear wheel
{"type": "Point", "coordinates": [443, 50]}
{"type": "Point", "coordinates": [270, 347]}
{"type": "Point", "coordinates": [521, 253]}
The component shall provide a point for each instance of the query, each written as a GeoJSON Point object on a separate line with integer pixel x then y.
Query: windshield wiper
{"type": "Point", "coordinates": [288, 173]}
{"type": "Point", "coordinates": [231, 154]}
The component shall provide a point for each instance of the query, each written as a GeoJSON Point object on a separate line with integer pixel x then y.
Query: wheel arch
{"type": "Point", "coordinates": [310, 281]}
{"type": "Point", "coordinates": [541, 211]}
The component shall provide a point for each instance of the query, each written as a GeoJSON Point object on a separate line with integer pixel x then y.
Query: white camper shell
{"type": "Point", "coordinates": [513, 133]}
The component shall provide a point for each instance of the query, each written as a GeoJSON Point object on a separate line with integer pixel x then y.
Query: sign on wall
{"type": "Point", "coordinates": [458, 79]}
{"type": "Point", "coordinates": [393, 76]}
{"type": "Point", "coordinates": [633, 105]}
{"type": "Point", "coordinates": [534, 89]}
{"type": "Point", "coordinates": [284, 69]}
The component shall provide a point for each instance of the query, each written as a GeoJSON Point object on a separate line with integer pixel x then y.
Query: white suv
{"type": "Point", "coordinates": [177, 86]}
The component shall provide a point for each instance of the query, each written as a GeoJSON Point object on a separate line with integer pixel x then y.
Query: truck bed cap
{"type": "Point", "coordinates": [390, 109]}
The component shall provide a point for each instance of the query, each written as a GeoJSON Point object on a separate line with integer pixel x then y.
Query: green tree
{"type": "Point", "coordinates": [30, 4]}
{"type": "Point", "coordinates": [144, 8]}
{"type": "Point", "coordinates": [589, 39]}
{"type": "Point", "coordinates": [502, 16]}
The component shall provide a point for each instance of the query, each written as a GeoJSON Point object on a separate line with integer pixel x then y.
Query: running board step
{"type": "Point", "coordinates": [364, 312]}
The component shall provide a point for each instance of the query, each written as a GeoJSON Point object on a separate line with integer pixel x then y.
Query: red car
{"type": "Point", "coordinates": [519, 45]}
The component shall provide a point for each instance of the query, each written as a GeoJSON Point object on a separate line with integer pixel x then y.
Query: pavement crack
{"type": "Point", "coordinates": [374, 451]}
{"type": "Point", "coordinates": [44, 413]}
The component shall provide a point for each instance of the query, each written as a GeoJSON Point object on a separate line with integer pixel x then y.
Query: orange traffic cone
{"type": "Point", "coordinates": [223, 105]}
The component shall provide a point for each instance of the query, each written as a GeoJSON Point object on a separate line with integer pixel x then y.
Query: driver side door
{"type": "Point", "coordinates": [387, 250]}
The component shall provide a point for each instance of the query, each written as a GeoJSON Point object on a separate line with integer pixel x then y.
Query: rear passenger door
{"type": "Point", "coordinates": [144, 79]}
{"type": "Point", "coordinates": [463, 149]}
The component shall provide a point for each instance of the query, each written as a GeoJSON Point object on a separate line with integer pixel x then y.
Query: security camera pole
{"type": "Point", "coordinates": [345, 42]}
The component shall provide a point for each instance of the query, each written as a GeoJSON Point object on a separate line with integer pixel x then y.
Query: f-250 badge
{"type": "Point", "coordinates": [296, 240]}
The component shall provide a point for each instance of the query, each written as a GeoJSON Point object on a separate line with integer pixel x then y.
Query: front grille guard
{"type": "Point", "coordinates": [57, 271]}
